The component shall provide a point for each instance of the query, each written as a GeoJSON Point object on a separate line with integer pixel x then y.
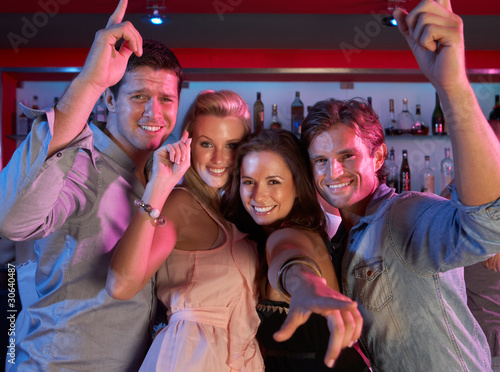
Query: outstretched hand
{"type": "Point", "coordinates": [435, 36]}
{"type": "Point", "coordinates": [105, 65]}
{"type": "Point", "coordinates": [172, 160]}
{"type": "Point", "coordinates": [343, 317]}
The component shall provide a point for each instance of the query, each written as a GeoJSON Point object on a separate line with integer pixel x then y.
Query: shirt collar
{"type": "Point", "coordinates": [110, 149]}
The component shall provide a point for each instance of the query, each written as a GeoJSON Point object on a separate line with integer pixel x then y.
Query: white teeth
{"type": "Point", "coordinates": [338, 185]}
{"type": "Point", "coordinates": [218, 171]}
{"type": "Point", "coordinates": [150, 128]}
{"type": "Point", "coordinates": [263, 209]}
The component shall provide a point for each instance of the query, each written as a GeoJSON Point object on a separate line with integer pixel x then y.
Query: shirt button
{"type": "Point", "coordinates": [59, 154]}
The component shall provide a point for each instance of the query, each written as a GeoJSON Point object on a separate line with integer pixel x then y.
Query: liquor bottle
{"type": "Point", "coordinates": [391, 129]}
{"type": "Point", "coordinates": [392, 171]}
{"type": "Point", "coordinates": [275, 123]}
{"type": "Point", "coordinates": [22, 123]}
{"type": "Point", "coordinates": [447, 173]}
{"type": "Point", "coordinates": [297, 114]}
{"type": "Point", "coordinates": [438, 121]}
{"type": "Point", "coordinates": [258, 114]}
{"type": "Point", "coordinates": [419, 127]}
{"type": "Point", "coordinates": [100, 110]}
{"type": "Point", "coordinates": [427, 176]}
{"type": "Point", "coordinates": [495, 113]}
{"type": "Point", "coordinates": [34, 106]}
{"type": "Point", "coordinates": [369, 101]}
{"type": "Point", "coordinates": [405, 119]}
{"type": "Point", "coordinates": [404, 174]}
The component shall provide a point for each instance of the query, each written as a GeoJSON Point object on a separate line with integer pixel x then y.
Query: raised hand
{"type": "Point", "coordinates": [172, 160]}
{"type": "Point", "coordinates": [435, 36]}
{"type": "Point", "coordinates": [343, 317]}
{"type": "Point", "coordinates": [105, 65]}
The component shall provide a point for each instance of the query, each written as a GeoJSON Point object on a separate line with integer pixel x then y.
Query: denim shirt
{"type": "Point", "coordinates": [403, 264]}
{"type": "Point", "coordinates": [76, 205]}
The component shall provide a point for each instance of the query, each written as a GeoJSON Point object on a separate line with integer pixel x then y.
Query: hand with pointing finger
{"type": "Point", "coordinates": [105, 65]}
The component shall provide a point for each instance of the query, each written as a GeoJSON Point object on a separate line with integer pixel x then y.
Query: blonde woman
{"type": "Point", "coordinates": [205, 267]}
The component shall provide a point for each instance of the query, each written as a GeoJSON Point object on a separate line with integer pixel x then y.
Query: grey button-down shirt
{"type": "Point", "coordinates": [76, 205]}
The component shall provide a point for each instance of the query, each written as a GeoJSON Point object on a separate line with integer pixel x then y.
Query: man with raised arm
{"type": "Point", "coordinates": [71, 187]}
{"type": "Point", "coordinates": [401, 257]}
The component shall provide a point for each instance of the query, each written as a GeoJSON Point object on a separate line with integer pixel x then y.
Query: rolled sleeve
{"type": "Point", "coordinates": [31, 184]}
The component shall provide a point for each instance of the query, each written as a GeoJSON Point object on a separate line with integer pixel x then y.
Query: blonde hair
{"type": "Point", "coordinates": [223, 103]}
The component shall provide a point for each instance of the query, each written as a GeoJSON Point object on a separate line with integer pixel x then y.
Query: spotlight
{"type": "Point", "coordinates": [389, 21]}
{"type": "Point", "coordinates": [156, 18]}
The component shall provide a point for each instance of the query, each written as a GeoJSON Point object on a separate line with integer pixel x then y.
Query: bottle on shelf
{"type": "Point", "coordinates": [100, 110]}
{"type": "Point", "coordinates": [419, 127]}
{"type": "Point", "coordinates": [258, 114]}
{"type": "Point", "coordinates": [275, 122]}
{"type": "Point", "coordinates": [369, 99]}
{"type": "Point", "coordinates": [438, 122]}
{"type": "Point", "coordinates": [392, 171]}
{"type": "Point", "coordinates": [427, 176]}
{"type": "Point", "coordinates": [404, 174]}
{"type": "Point", "coordinates": [297, 115]}
{"type": "Point", "coordinates": [495, 113]}
{"type": "Point", "coordinates": [447, 173]}
{"type": "Point", "coordinates": [405, 119]}
{"type": "Point", "coordinates": [392, 129]}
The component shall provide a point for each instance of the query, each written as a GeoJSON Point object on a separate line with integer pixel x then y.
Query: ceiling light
{"type": "Point", "coordinates": [389, 21]}
{"type": "Point", "coordinates": [156, 18]}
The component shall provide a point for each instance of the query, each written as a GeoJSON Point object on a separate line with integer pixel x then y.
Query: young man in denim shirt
{"type": "Point", "coordinates": [401, 257]}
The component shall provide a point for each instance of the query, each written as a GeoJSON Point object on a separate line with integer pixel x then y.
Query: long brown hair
{"type": "Point", "coordinates": [306, 212]}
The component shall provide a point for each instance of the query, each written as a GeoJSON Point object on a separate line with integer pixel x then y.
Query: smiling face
{"type": "Point", "coordinates": [213, 148]}
{"type": "Point", "coordinates": [344, 172]}
{"type": "Point", "coordinates": [144, 110]}
{"type": "Point", "coordinates": [267, 187]}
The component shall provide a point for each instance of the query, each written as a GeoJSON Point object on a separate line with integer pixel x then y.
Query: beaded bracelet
{"type": "Point", "coordinates": [154, 213]}
{"type": "Point", "coordinates": [294, 260]}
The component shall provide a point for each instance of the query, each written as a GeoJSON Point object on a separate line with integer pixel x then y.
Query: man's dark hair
{"type": "Point", "coordinates": [157, 56]}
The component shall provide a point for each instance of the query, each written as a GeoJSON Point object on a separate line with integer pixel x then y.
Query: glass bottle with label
{"type": "Point", "coordinates": [438, 121]}
{"type": "Point", "coordinates": [391, 129]}
{"type": "Point", "coordinates": [392, 171]}
{"type": "Point", "coordinates": [258, 114]}
{"type": "Point", "coordinates": [404, 174]}
{"type": "Point", "coordinates": [419, 127]}
{"type": "Point", "coordinates": [405, 119]}
{"type": "Point", "coordinates": [275, 122]}
{"type": "Point", "coordinates": [297, 114]}
{"type": "Point", "coordinates": [427, 176]}
{"type": "Point", "coordinates": [447, 173]}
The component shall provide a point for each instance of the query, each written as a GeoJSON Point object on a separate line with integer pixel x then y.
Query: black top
{"type": "Point", "coordinates": [306, 349]}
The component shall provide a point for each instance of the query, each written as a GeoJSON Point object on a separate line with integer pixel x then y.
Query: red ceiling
{"type": "Point", "coordinates": [462, 7]}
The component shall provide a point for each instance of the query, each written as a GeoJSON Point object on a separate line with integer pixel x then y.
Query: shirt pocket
{"type": "Point", "coordinates": [372, 288]}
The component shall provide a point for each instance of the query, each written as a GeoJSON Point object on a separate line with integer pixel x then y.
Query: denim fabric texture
{"type": "Point", "coordinates": [403, 264]}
